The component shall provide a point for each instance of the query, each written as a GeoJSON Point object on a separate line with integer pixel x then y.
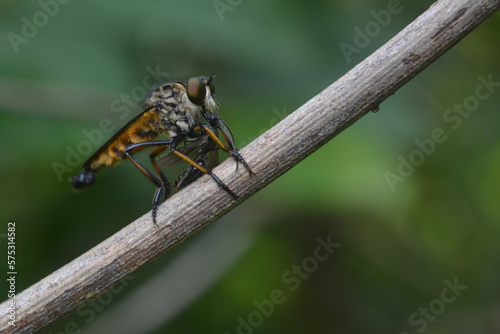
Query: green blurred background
{"type": "Point", "coordinates": [400, 246]}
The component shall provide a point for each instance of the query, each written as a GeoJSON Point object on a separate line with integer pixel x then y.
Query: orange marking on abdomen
{"type": "Point", "coordinates": [145, 127]}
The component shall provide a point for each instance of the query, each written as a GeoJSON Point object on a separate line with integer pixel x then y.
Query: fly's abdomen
{"type": "Point", "coordinates": [144, 127]}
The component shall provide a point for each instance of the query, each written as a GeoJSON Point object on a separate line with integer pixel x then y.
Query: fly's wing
{"type": "Point", "coordinates": [213, 158]}
{"type": "Point", "coordinates": [190, 149]}
{"type": "Point", "coordinates": [148, 115]}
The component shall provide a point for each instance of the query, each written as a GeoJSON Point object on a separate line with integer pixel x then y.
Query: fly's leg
{"type": "Point", "coordinates": [204, 170]}
{"type": "Point", "coordinates": [190, 175]}
{"type": "Point", "coordinates": [162, 176]}
{"type": "Point", "coordinates": [238, 158]}
{"type": "Point", "coordinates": [163, 192]}
{"type": "Point", "coordinates": [162, 184]}
{"type": "Point", "coordinates": [231, 151]}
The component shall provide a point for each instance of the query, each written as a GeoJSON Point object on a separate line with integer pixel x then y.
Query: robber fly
{"type": "Point", "coordinates": [184, 113]}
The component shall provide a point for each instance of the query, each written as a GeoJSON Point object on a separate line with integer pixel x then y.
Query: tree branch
{"type": "Point", "coordinates": [272, 154]}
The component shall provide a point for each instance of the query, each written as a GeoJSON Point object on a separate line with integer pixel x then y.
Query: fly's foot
{"type": "Point", "coordinates": [238, 158]}
{"type": "Point", "coordinates": [161, 194]}
{"type": "Point", "coordinates": [223, 185]}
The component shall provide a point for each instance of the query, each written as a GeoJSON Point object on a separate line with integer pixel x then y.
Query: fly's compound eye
{"type": "Point", "coordinates": [196, 91]}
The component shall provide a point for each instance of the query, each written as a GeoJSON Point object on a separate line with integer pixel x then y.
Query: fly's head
{"type": "Point", "coordinates": [201, 91]}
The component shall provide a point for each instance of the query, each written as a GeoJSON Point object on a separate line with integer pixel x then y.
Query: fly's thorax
{"type": "Point", "coordinates": [185, 115]}
{"type": "Point", "coordinates": [178, 112]}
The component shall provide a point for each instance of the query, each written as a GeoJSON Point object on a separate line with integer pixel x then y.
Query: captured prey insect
{"type": "Point", "coordinates": [204, 150]}
{"type": "Point", "coordinates": [184, 112]}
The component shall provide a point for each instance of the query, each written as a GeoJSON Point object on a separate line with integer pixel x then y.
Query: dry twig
{"type": "Point", "coordinates": [272, 154]}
